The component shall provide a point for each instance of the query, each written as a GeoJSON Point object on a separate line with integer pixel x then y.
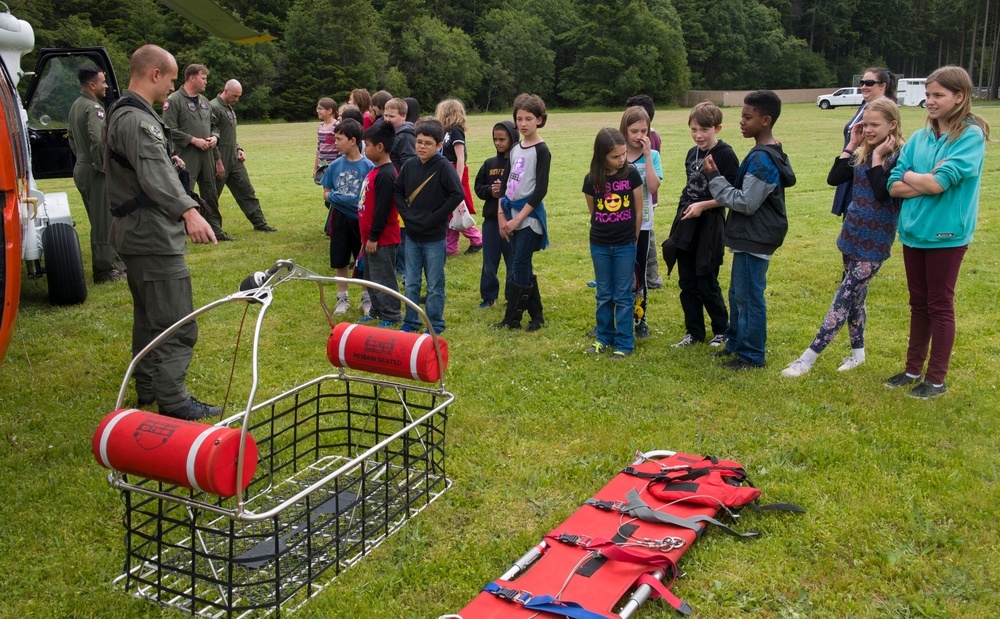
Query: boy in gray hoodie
{"type": "Point", "coordinates": [755, 227]}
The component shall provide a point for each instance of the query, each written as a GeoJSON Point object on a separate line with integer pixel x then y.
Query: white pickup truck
{"type": "Point", "coordinates": [844, 96]}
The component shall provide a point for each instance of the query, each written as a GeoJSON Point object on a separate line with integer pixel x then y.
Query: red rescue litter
{"type": "Point", "coordinates": [186, 453]}
{"type": "Point", "coordinates": [383, 351]}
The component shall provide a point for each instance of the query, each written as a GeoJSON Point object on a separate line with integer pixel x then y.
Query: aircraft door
{"type": "Point", "coordinates": [51, 94]}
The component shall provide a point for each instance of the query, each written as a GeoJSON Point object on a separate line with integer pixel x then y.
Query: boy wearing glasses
{"type": "Point", "coordinates": [427, 190]}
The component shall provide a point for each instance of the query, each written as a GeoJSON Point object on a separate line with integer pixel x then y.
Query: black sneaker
{"type": "Point", "coordinates": [474, 249]}
{"type": "Point", "coordinates": [737, 365]}
{"type": "Point", "coordinates": [642, 331]}
{"type": "Point", "coordinates": [222, 237]}
{"type": "Point", "coordinates": [926, 391]}
{"type": "Point", "coordinates": [265, 228]}
{"type": "Point", "coordinates": [900, 380]}
{"type": "Point", "coordinates": [193, 410]}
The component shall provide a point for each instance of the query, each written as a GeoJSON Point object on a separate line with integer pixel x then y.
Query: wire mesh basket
{"type": "Point", "coordinates": [343, 462]}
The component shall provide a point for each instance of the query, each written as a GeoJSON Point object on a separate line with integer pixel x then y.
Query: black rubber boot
{"type": "Point", "coordinates": [518, 301]}
{"type": "Point", "coordinates": [535, 307]}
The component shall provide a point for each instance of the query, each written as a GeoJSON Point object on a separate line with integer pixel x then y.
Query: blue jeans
{"type": "Point", "coordinates": [428, 258]}
{"type": "Point", "coordinates": [613, 270]}
{"type": "Point", "coordinates": [401, 253]}
{"type": "Point", "coordinates": [525, 243]}
{"type": "Point", "coordinates": [747, 332]}
{"type": "Point", "coordinates": [494, 247]}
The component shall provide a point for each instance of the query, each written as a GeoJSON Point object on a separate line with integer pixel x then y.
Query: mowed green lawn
{"type": "Point", "coordinates": [902, 496]}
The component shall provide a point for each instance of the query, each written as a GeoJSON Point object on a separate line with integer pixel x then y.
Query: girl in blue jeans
{"type": "Point", "coordinates": [613, 190]}
{"type": "Point", "coordinates": [521, 216]}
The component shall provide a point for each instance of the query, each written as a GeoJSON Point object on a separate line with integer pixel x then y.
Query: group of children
{"type": "Point", "coordinates": [619, 179]}
{"type": "Point", "coordinates": [927, 188]}
{"type": "Point", "coordinates": [389, 194]}
{"type": "Point", "coordinates": [896, 184]}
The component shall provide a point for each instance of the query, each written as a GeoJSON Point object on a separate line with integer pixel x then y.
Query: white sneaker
{"type": "Point", "coordinates": [366, 304]}
{"type": "Point", "coordinates": [687, 340]}
{"type": "Point", "coordinates": [717, 341]}
{"type": "Point", "coordinates": [849, 364]}
{"type": "Point", "coordinates": [795, 369]}
{"type": "Point", "coordinates": [343, 306]}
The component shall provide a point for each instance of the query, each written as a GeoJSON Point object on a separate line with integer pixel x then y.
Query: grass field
{"type": "Point", "coordinates": [902, 496]}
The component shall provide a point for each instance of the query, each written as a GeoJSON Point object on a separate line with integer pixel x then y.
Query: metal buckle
{"type": "Point", "coordinates": [514, 595]}
{"type": "Point", "coordinates": [505, 593]}
{"type": "Point", "coordinates": [576, 540]}
{"type": "Point", "coordinates": [609, 505]}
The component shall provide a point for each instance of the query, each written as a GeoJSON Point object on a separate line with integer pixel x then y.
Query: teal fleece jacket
{"type": "Point", "coordinates": [947, 219]}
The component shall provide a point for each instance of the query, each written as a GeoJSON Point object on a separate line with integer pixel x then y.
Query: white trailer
{"type": "Point", "coordinates": [911, 91]}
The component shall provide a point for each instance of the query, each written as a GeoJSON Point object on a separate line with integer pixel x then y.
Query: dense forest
{"type": "Point", "coordinates": [571, 52]}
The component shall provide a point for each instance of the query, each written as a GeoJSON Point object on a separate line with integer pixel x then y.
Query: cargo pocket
{"type": "Point", "coordinates": [168, 299]}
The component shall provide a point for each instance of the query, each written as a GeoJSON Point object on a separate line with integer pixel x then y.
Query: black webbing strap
{"type": "Point", "coordinates": [141, 200]}
{"type": "Point", "coordinates": [637, 508]}
{"type": "Point", "coordinates": [693, 473]}
{"type": "Point", "coordinates": [592, 565]}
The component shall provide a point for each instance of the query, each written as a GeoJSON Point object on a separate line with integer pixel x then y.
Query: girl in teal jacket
{"type": "Point", "coordinates": [937, 176]}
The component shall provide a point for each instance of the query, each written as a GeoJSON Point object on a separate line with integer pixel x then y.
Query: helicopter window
{"type": "Point", "coordinates": [56, 90]}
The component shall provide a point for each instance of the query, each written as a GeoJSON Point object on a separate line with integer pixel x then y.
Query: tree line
{"type": "Point", "coordinates": [571, 52]}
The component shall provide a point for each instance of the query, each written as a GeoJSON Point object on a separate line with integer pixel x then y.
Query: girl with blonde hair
{"type": "Point", "coordinates": [451, 114]}
{"type": "Point", "coordinates": [868, 231]}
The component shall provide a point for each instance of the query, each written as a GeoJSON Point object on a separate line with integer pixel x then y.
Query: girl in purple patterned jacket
{"type": "Point", "coordinates": [868, 232]}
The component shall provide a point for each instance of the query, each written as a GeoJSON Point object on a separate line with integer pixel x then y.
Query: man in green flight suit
{"type": "Point", "coordinates": [152, 215]}
{"type": "Point", "coordinates": [85, 132]}
{"type": "Point", "coordinates": [187, 114]}
{"type": "Point", "coordinates": [234, 173]}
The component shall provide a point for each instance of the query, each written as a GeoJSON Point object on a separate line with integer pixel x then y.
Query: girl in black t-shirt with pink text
{"type": "Point", "coordinates": [613, 190]}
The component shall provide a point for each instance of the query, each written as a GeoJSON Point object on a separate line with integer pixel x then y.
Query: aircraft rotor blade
{"type": "Point", "coordinates": [216, 20]}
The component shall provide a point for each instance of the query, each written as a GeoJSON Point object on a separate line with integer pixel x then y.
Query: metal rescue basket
{"type": "Point", "coordinates": [342, 462]}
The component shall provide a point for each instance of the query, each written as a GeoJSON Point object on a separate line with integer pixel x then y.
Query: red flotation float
{"type": "Point", "coordinates": [384, 351]}
{"type": "Point", "coordinates": [174, 451]}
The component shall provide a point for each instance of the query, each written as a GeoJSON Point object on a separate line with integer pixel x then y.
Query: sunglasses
{"type": "Point", "coordinates": [870, 83]}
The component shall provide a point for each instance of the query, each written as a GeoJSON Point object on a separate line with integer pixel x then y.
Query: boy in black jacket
{"type": "Point", "coordinates": [755, 228]}
{"type": "Point", "coordinates": [427, 190]}
{"type": "Point", "coordinates": [489, 185]}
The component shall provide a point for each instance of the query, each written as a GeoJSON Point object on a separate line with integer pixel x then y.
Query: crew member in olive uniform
{"type": "Point", "coordinates": [152, 213]}
{"type": "Point", "coordinates": [187, 114]}
{"type": "Point", "coordinates": [234, 174]}
{"type": "Point", "coordinates": [85, 132]}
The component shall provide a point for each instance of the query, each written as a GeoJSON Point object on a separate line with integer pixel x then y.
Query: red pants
{"type": "Point", "coordinates": [931, 275]}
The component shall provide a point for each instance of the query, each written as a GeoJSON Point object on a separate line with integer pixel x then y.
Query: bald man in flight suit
{"type": "Point", "coordinates": [153, 214]}
{"type": "Point", "coordinates": [234, 173]}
